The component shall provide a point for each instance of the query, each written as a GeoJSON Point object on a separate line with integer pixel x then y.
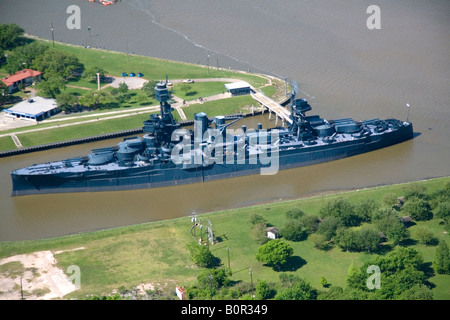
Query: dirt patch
{"type": "Point", "coordinates": [35, 276]}
{"type": "Point", "coordinates": [132, 82]}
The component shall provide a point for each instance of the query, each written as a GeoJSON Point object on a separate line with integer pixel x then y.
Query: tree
{"type": "Point", "coordinates": [323, 282]}
{"type": "Point", "coordinates": [390, 199]}
{"type": "Point", "coordinates": [417, 208]}
{"type": "Point", "coordinates": [274, 253]}
{"type": "Point", "coordinates": [295, 288]}
{"type": "Point", "coordinates": [343, 209]}
{"type": "Point", "coordinates": [97, 99]}
{"type": "Point", "coordinates": [259, 233]}
{"type": "Point", "coordinates": [54, 62]}
{"type": "Point", "coordinates": [91, 73]}
{"type": "Point", "coordinates": [257, 218]}
{"type": "Point", "coordinates": [10, 35]}
{"type": "Point", "coordinates": [4, 95]}
{"type": "Point", "coordinates": [52, 86]}
{"type": "Point", "coordinates": [329, 226]}
{"type": "Point", "coordinates": [388, 222]}
{"type": "Point", "coordinates": [319, 241]}
{"type": "Point", "coordinates": [201, 256]}
{"type": "Point", "coordinates": [366, 238]}
{"type": "Point", "coordinates": [293, 230]}
{"type": "Point", "coordinates": [209, 282]}
{"type": "Point", "coordinates": [416, 190]}
{"type": "Point", "coordinates": [149, 88]}
{"type": "Point", "coordinates": [425, 236]}
{"type": "Point", "coordinates": [365, 208]}
{"type": "Point", "coordinates": [295, 214]}
{"type": "Point", "coordinates": [66, 101]}
{"type": "Point", "coordinates": [123, 87]}
{"type": "Point", "coordinates": [356, 279]}
{"type": "Point", "coordinates": [142, 98]}
{"type": "Point", "coordinates": [186, 87]}
{"type": "Point", "coordinates": [310, 222]}
{"type": "Point", "coordinates": [347, 239]}
{"type": "Point", "coordinates": [23, 57]}
{"type": "Point", "coordinates": [442, 258]}
{"type": "Point", "coordinates": [442, 211]}
{"type": "Point", "coordinates": [417, 292]}
{"type": "Point", "coordinates": [263, 291]}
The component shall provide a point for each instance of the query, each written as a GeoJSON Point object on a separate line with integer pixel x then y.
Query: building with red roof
{"type": "Point", "coordinates": [25, 76]}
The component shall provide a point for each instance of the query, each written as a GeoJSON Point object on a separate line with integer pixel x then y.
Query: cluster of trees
{"type": "Point", "coordinates": [363, 226]}
{"type": "Point", "coordinates": [58, 68]}
{"type": "Point", "coordinates": [11, 36]}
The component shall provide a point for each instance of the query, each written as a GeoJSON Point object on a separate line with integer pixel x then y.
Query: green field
{"type": "Point", "coordinates": [199, 89]}
{"type": "Point", "coordinates": [156, 252]}
{"type": "Point", "coordinates": [82, 130]}
{"type": "Point", "coordinates": [114, 63]}
{"type": "Point", "coordinates": [6, 143]}
{"type": "Point", "coordinates": [220, 107]}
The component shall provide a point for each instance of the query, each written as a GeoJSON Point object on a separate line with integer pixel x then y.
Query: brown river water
{"type": "Point", "coordinates": [343, 69]}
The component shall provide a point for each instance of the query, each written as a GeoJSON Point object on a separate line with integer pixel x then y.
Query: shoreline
{"type": "Point", "coordinates": [280, 202]}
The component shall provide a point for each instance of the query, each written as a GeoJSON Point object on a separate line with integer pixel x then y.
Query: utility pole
{"type": "Point", "coordinates": [89, 30]}
{"type": "Point", "coordinates": [53, 36]}
{"type": "Point", "coordinates": [210, 286]}
{"type": "Point", "coordinates": [228, 249]}
{"type": "Point", "coordinates": [208, 60]}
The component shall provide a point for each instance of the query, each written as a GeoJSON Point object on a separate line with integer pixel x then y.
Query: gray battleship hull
{"type": "Point", "coordinates": [143, 177]}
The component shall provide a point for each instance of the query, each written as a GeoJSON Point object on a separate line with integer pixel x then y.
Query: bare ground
{"type": "Point", "coordinates": [35, 275]}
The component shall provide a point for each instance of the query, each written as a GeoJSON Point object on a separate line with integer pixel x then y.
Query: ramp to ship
{"type": "Point", "coordinates": [273, 106]}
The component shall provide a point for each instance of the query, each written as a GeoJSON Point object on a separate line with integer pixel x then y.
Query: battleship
{"type": "Point", "coordinates": [168, 155]}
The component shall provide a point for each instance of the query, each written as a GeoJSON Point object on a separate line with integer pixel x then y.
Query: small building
{"type": "Point", "coordinates": [272, 232]}
{"type": "Point", "coordinates": [26, 77]}
{"type": "Point", "coordinates": [238, 88]}
{"type": "Point", "coordinates": [35, 109]}
{"type": "Point", "coordinates": [181, 293]}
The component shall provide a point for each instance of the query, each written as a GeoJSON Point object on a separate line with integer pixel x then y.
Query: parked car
{"type": "Point", "coordinates": [188, 81]}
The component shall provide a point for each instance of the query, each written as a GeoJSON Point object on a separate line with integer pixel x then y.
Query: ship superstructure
{"type": "Point", "coordinates": [168, 154]}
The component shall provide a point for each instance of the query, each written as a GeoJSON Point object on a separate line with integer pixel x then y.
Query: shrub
{"type": "Point", "coordinates": [295, 214]}
{"type": "Point", "coordinates": [425, 236]}
{"type": "Point", "coordinates": [343, 209]}
{"type": "Point", "coordinates": [417, 208]}
{"type": "Point", "coordinates": [294, 231]}
{"type": "Point", "coordinates": [319, 241]}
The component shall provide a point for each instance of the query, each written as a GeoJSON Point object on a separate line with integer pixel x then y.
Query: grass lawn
{"type": "Point", "coordinates": [199, 89]}
{"type": "Point", "coordinates": [82, 130]}
{"type": "Point", "coordinates": [115, 63]}
{"type": "Point", "coordinates": [6, 143]}
{"type": "Point", "coordinates": [220, 107]}
{"type": "Point", "coordinates": [155, 252]}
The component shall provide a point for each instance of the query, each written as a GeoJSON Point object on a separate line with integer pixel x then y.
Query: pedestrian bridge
{"type": "Point", "coordinates": [273, 106]}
